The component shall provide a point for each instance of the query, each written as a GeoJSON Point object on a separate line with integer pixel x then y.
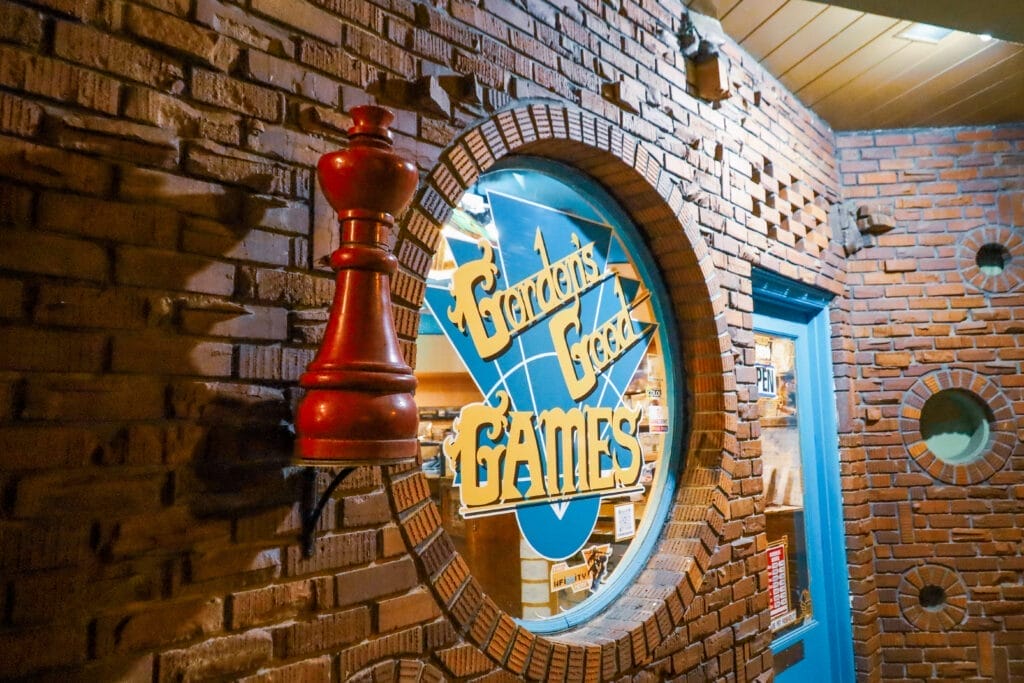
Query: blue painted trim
{"type": "Point", "coordinates": [663, 492]}
{"type": "Point", "coordinates": [795, 310]}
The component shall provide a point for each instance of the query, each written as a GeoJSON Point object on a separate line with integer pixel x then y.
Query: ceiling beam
{"type": "Point", "coordinates": [1003, 19]}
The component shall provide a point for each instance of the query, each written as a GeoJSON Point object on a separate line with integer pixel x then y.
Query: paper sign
{"type": "Point", "coordinates": [625, 521]}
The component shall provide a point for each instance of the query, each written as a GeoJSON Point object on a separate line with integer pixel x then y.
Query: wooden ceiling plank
{"type": "Point", "coordinates": [725, 7]}
{"type": "Point", "coordinates": [811, 36]}
{"type": "Point", "coordinates": [919, 96]}
{"type": "Point", "coordinates": [868, 88]}
{"type": "Point", "coordinates": [1006, 109]}
{"type": "Point", "coordinates": [937, 58]}
{"type": "Point", "coordinates": [835, 50]}
{"type": "Point", "coordinates": [748, 15]}
{"type": "Point", "coordinates": [867, 56]}
{"type": "Point", "coordinates": [780, 27]}
{"type": "Point", "coordinates": [1006, 74]}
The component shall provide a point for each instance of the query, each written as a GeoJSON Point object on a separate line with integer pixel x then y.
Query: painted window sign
{"type": "Point", "coordinates": [766, 381]}
{"type": "Point", "coordinates": [549, 313]}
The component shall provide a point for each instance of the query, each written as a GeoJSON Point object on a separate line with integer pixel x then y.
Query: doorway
{"type": "Point", "coordinates": [809, 586]}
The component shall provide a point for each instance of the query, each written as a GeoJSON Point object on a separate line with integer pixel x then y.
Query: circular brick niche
{"type": "Point", "coordinates": [958, 426]}
{"type": "Point", "coordinates": [932, 598]}
{"type": "Point", "coordinates": [639, 624]}
{"type": "Point", "coordinates": [991, 258]}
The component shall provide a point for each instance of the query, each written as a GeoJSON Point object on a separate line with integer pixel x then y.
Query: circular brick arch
{"type": "Point", "coordinates": [932, 598]}
{"type": "Point", "coordinates": [633, 628]}
{"type": "Point", "coordinates": [1002, 436]}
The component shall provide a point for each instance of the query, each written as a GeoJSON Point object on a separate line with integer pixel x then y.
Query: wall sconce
{"type": "Point", "coordinates": [358, 408]}
{"type": "Point", "coordinates": [707, 68]}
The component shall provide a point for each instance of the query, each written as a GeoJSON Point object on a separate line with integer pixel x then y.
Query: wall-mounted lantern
{"type": "Point", "coordinates": [358, 408]}
{"type": "Point", "coordinates": [706, 67]}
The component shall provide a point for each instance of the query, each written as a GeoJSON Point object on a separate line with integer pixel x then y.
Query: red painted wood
{"type": "Point", "coordinates": [358, 408]}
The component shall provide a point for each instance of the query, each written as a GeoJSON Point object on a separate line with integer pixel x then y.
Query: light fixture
{"type": "Point", "coordinates": [358, 408]}
{"type": "Point", "coordinates": [708, 69]}
{"type": "Point", "coordinates": [925, 33]}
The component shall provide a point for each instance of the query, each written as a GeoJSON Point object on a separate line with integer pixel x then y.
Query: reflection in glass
{"type": "Point", "coordinates": [552, 217]}
{"type": "Point", "coordinates": [789, 592]}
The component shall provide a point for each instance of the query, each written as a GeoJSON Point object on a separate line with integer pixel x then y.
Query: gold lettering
{"type": "Point", "coordinates": [627, 440]}
{"type": "Point", "coordinates": [522, 449]}
{"type": "Point", "coordinates": [468, 312]}
{"type": "Point", "coordinates": [570, 357]}
{"type": "Point", "coordinates": [464, 452]}
{"type": "Point", "coordinates": [597, 448]}
{"type": "Point", "coordinates": [562, 431]}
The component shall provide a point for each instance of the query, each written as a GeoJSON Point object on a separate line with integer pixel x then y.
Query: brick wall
{"type": "Point", "coordinates": [924, 317]}
{"type": "Point", "coordinates": [161, 291]}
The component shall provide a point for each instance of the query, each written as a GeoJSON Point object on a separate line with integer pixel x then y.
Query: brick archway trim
{"type": "Point", "coordinates": [643, 624]}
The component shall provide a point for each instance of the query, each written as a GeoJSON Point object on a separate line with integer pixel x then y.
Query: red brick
{"type": "Point", "coordinates": [180, 118]}
{"type": "Point", "coordinates": [166, 624]}
{"type": "Point", "coordinates": [326, 632]}
{"type": "Point", "coordinates": [117, 140]}
{"type": "Point", "coordinates": [104, 52]}
{"type": "Point", "coordinates": [253, 322]}
{"type": "Point", "coordinates": [40, 648]}
{"type": "Point", "coordinates": [50, 351]}
{"type": "Point", "coordinates": [333, 552]}
{"type": "Point", "coordinates": [281, 73]}
{"type": "Point", "coordinates": [19, 116]}
{"type": "Point", "coordinates": [185, 194]}
{"type": "Point", "coordinates": [99, 398]}
{"type": "Point", "coordinates": [83, 306]}
{"type": "Point", "coordinates": [217, 658]}
{"type": "Point", "coordinates": [51, 167]}
{"type": "Point", "coordinates": [212, 161]}
{"type": "Point", "coordinates": [134, 223]}
{"type": "Point", "coordinates": [151, 353]}
{"type": "Point", "coordinates": [303, 17]}
{"type": "Point", "coordinates": [187, 39]}
{"type": "Point", "coordinates": [406, 610]}
{"type": "Point", "coordinates": [229, 93]}
{"type": "Point", "coordinates": [174, 271]}
{"type": "Point", "coordinates": [20, 25]}
{"type": "Point", "coordinates": [92, 490]}
{"type": "Point", "coordinates": [50, 254]}
{"type": "Point", "coordinates": [269, 604]}
{"type": "Point", "coordinates": [408, 642]}
{"type": "Point", "coordinates": [308, 671]}
{"type": "Point", "coordinates": [202, 236]}
{"type": "Point", "coordinates": [366, 584]}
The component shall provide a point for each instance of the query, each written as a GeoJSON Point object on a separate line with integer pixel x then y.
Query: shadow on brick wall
{"type": "Point", "coordinates": [153, 327]}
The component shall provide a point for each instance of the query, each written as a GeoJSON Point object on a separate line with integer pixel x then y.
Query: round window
{"type": "Point", "coordinates": [549, 403]}
{"type": "Point", "coordinates": [955, 426]}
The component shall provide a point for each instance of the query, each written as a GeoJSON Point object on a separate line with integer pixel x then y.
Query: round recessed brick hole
{"type": "Point", "coordinates": [992, 259]}
{"type": "Point", "coordinates": [932, 597]}
{"type": "Point", "coordinates": [955, 426]}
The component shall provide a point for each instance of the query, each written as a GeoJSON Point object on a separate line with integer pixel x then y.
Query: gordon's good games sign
{"type": "Point", "coordinates": [545, 320]}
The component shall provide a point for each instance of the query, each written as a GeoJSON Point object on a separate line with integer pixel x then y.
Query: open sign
{"type": "Point", "coordinates": [766, 382]}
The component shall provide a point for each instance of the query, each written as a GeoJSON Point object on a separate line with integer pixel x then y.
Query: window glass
{"type": "Point", "coordinates": [782, 469]}
{"type": "Point", "coordinates": [548, 400]}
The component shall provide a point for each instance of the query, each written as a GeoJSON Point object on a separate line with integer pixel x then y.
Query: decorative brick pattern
{"type": "Point", "coordinates": [1009, 251]}
{"type": "Point", "coordinates": [932, 598]}
{"type": "Point", "coordinates": [161, 292]}
{"type": "Point", "coordinates": [1003, 433]}
{"type": "Point", "coordinates": [923, 318]}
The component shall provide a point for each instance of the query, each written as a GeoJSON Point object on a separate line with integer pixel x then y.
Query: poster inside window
{"type": "Point", "coordinates": [551, 405]}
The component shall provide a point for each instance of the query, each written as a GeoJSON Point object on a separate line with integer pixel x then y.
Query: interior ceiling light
{"type": "Point", "coordinates": [925, 33]}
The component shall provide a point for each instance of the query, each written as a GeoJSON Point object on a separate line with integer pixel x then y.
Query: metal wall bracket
{"type": "Point", "coordinates": [312, 507]}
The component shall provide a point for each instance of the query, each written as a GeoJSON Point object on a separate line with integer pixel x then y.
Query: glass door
{"type": "Point", "coordinates": [808, 584]}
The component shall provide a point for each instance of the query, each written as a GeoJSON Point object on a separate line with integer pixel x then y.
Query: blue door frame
{"type": "Point", "coordinates": [786, 308]}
